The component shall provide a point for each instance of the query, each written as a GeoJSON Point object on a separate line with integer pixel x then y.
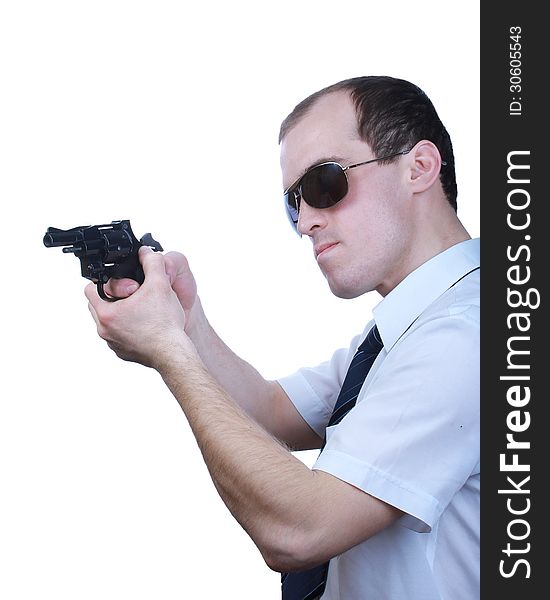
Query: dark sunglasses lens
{"type": "Point", "coordinates": [324, 186]}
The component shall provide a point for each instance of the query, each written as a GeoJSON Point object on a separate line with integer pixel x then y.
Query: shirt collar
{"type": "Point", "coordinates": [406, 302]}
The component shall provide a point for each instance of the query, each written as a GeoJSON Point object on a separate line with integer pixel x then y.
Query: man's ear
{"type": "Point", "coordinates": [424, 164]}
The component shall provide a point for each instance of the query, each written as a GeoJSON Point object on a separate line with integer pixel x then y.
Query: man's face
{"type": "Point", "coordinates": [360, 244]}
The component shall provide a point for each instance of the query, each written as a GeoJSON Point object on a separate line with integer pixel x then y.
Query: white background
{"type": "Point", "coordinates": [167, 113]}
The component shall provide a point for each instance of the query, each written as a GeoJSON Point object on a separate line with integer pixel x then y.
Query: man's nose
{"type": "Point", "coordinates": [310, 218]}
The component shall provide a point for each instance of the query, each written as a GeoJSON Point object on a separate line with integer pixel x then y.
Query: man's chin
{"type": "Point", "coordinates": [345, 292]}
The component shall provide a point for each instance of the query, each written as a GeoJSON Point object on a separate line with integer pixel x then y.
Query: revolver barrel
{"type": "Point", "coordinates": [59, 237]}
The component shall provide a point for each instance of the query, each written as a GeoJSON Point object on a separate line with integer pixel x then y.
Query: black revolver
{"type": "Point", "coordinates": [104, 251]}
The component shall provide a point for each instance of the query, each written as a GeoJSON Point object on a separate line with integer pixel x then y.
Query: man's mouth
{"type": "Point", "coordinates": [322, 248]}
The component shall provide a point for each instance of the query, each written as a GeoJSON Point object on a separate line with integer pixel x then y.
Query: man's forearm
{"type": "Point", "coordinates": [252, 392]}
{"type": "Point", "coordinates": [234, 374]}
{"type": "Point", "coordinates": [258, 478]}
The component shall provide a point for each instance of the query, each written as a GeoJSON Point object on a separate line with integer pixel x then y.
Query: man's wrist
{"type": "Point", "coordinates": [177, 355]}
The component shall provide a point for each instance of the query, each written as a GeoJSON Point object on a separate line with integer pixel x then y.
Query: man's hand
{"type": "Point", "coordinates": [149, 323]}
{"type": "Point", "coordinates": [181, 279]}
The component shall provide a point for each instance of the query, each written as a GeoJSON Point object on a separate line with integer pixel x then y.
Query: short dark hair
{"type": "Point", "coordinates": [392, 115]}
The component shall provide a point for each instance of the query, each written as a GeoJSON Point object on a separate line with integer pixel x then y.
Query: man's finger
{"type": "Point", "coordinates": [152, 263]}
{"type": "Point", "coordinates": [121, 288]}
{"type": "Point", "coordinates": [176, 265]}
{"type": "Point", "coordinates": [91, 294]}
{"type": "Point", "coordinates": [93, 313]}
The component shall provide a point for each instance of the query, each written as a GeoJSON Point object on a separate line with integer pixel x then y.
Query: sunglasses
{"type": "Point", "coordinates": [322, 186]}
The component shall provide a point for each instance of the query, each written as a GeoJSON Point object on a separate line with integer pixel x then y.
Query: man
{"type": "Point", "coordinates": [393, 500]}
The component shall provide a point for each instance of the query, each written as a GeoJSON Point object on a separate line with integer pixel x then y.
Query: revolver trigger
{"type": "Point", "coordinates": [102, 293]}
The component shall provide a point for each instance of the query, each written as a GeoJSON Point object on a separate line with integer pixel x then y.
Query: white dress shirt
{"type": "Point", "coordinates": [412, 439]}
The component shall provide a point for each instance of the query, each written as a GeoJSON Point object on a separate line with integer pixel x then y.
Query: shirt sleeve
{"type": "Point", "coordinates": [412, 439]}
{"type": "Point", "coordinates": [313, 390]}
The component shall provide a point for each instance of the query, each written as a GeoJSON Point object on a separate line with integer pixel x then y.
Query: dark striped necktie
{"type": "Point", "coordinates": [310, 584]}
